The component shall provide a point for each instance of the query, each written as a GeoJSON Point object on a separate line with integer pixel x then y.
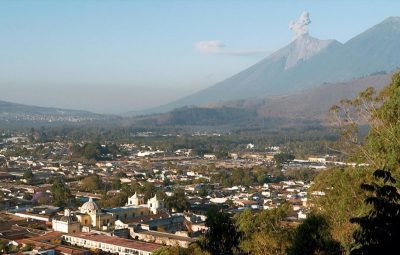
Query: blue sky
{"type": "Point", "coordinates": [118, 56]}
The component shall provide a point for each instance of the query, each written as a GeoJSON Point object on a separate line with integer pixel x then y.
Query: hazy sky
{"type": "Point", "coordinates": [118, 56]}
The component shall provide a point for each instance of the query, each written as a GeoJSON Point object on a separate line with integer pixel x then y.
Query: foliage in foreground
{"type": "Point", "coordinates": [222, 236]}
{"type": "Point", "coordinates": [380, 148]}
{"type": "Point", "coordinates": [379, 230]}
{"type": "Point", "coordinates": [193, 249]}
{"type": "Point", "coordinates": [343, 199]}
{"type": "Point", "coordinates": [264, 232]}
{"type": "Point", "coordinates": [313, 237]}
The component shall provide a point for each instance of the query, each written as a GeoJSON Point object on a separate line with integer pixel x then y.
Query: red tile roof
{"type": "Point", "coordinates": [43, 242]}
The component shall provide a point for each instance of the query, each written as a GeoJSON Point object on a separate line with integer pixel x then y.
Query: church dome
{"type": "Point", "coordinates": [89, 206]}
{"type": "Point", "coordinates": [69, 219]}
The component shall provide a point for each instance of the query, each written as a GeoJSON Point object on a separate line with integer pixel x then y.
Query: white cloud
{"type": "Point", "coordinates": [218, 47]}
{"type": "Point", "coordinates": [213, 46]}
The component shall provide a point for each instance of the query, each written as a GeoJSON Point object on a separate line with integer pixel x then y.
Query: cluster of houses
{"type": "Point", "coordinates": [138, 227]}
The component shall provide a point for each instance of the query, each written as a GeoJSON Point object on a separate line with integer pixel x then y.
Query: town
{"type": "Point", "coordinates": [59, 197]}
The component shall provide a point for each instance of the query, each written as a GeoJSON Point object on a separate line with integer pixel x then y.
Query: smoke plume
{"type": "Point", "coordinates": [300, 26]}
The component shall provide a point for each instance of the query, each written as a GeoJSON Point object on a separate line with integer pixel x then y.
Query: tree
{"type": "Point", "coordinates": [264, 233]}
{"type": "Point", "coordinates": [381, 112]}
{"type": "Point", "coordinates": [115, 184]}
{"type": "Point", "coordinates": [3, 246]}
{"type": "Point", "coordinates": [301, 174]}
{"type": "Point", "coordinates": [260, 175]}
{"type": "Point", "coordinates": [222, 236]}
{"type": "Point", "coordinates": [116, 200]}
{"type": "Point", "coordinates": [121, 175]}
{"type": "Point", "coordinates": [61, 193]}
{"type": "Point", "coordinates": [149, 190]}
{"type": "Point", "coordinates": [313, 237]}
{"type": "Point", "coordinates": [27, 247]}
{"type": "Point", "coordinates": [379, 231]}
{"type": "Point", "coordinates": [342, 200]}
{"type": "Point", "coordinates": [241, 177]}
{"type": "Point", "coordinates": [27, 196]}
{"type": "Point", "coordinates": [282, 158]}
{"type": "Point", "coordinates": [28, 175]}
{"type": "Point", "coordinates": [193, 249]}
{"type": "Point", "coordinates": [177, 201]}
{"type": "Point", "coordinates": [92, 183]}
{"type": "Point", "coordinates": [89, 151]}
{"type": "Point", "coordinates": [378, 145]}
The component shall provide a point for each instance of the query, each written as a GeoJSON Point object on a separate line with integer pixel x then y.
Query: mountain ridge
{"type": "Point", "coordinates": [10, 111]}
{"type": "Point", "coordinates": [374, 50]}
{"type": "Point", "coordinates": [308, 107]}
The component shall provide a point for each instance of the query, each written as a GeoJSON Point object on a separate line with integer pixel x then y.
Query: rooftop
{"type": "Point", "coordinates": [132, 244]}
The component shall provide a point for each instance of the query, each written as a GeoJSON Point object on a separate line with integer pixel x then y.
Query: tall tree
{"type": "Point", "coordinates": [177, 201]}
{"type": "Point", "coordinates": [28, 175]}
{"type": "Point", "coordinates": [283, 157]}
{"type": "Point", "coordinates": [221, 237]}
{"type": "Point", "coordinates": [342, 200]}
{"type": "Point", "coordinates": [381, 112]}
{"type": "Point", "coordinates": [378, 145]}
{"type": "Point", "coordinates": [379, 231]}
{"type": "Point", "coordinates": [264, 233]}
{"type": "Point", "coordinates": [61, 193]}
{"type": "Point", "coordinates": [92, 183]}
{"type": "Point", "coordinates": [313, 237]}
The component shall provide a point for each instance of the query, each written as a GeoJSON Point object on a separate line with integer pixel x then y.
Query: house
{"type": "Point", "coordinates": [68, 223]}
{"type": "Point", "coordinates": [250, 146]}
{"type": "Point", "coordinates": [210, 156]}
{"type": "Point", "coordinates": [246, 203]}
{"type": "Point", "coordinates": [112, 244]}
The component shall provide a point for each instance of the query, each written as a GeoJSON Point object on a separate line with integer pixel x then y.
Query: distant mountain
{"type": "Point", "coordinates": [13, 112]}
{"type": "Point", "coordinates": [301, 49]}
{"type": "Point", "coordinates": [308, 107]}
{"type": "Point", "coordinates": [310, 104]}
{"type": "Point", "coordinates": [305, 63]}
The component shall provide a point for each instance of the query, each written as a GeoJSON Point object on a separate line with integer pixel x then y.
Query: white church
{"type": "Point", "coordinates": [91, 216]}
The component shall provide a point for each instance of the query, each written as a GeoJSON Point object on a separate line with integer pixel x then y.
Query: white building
{"type": "Point", "coordinates": [112, 244]}
{"type": "Point", "coordinates": [66, 224]}
{"type": "Point", "coordinates": [250, 146]}
{"type": "Point", "coordinates": [154, 204]}
{"type": "Point", "coordinates": [210, 156]}
{"type": "Point", "coordinates": [135, 200]}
